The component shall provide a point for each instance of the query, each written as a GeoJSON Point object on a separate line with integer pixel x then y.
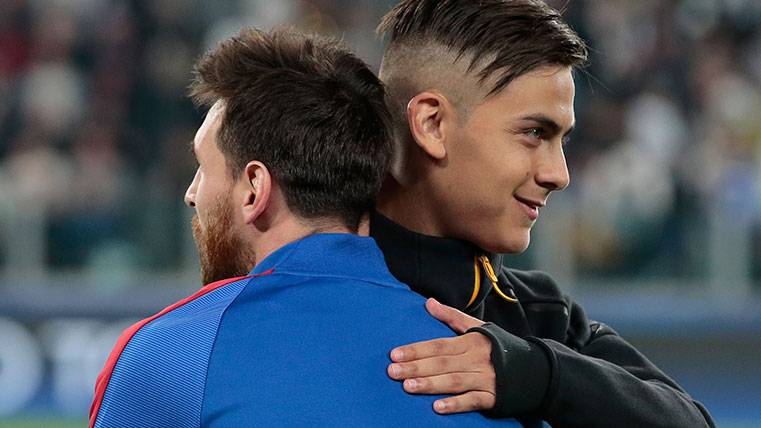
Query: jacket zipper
{"type": "Point", "coordinates": [494, 280]}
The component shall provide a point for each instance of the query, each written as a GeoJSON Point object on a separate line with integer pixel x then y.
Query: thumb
{"type": "Point", "coordinates": [456, 320]}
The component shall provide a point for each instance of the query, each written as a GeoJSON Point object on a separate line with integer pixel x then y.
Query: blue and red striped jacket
{"type": "Point", "coordinates": [302, 341]}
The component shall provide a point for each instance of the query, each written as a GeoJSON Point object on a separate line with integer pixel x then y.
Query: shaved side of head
{"type": "Point", "coordinates": [422, 66]}
{"type": "Point", "coordinates": [411, 68]}
{"type": "Point", "coordinates": [467, 50]}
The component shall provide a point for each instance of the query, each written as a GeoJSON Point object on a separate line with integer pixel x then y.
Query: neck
{"type": "Point", "coordinates": [410, 206]}
{"type": "Point", "coordinates": [289, 231]}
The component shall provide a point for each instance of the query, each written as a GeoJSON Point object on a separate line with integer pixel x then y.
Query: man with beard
{"type": "Point", "coordinates": [291, 155]}
{"type": "Point", "coordinates": [481, 94]}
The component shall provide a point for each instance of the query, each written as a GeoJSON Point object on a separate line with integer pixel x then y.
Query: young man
{"type": "Point", "coordinates": [291, 155]}
{"type": "Point", "coordinates": [481, 93]}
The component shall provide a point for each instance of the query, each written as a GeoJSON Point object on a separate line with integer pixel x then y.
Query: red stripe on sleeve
{"type": "Point", "coordinates": [105, 375]}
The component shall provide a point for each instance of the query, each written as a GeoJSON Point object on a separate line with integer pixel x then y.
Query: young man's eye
{"type": "Point", "coordinates": [537, 133]}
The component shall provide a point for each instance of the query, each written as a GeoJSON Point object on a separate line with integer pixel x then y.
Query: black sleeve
{"type": "Point", "coordinates": [606, 382]}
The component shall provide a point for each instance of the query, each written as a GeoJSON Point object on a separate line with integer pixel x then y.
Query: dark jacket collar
{"type": "Point", "coordinates": [442, 268]}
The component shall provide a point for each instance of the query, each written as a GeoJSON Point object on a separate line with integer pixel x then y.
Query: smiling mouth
{"type": "Point", "coordinates": [530, 207]}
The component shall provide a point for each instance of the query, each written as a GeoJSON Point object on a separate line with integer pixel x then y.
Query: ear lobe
{"type": "Point", "coordinates": [426, 115]}
{"type": "Point", "coordinates": [258, 198]}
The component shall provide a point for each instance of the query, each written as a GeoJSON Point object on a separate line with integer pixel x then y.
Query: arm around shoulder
{"type": "Point", "coordinates": [608, 382]}
{"type": "Point", "coordinates": [594, 379]}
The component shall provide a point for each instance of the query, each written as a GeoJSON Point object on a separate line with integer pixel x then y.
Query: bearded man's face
{"type": "Point", "coordinates": [220, 246]}
{"type": "Point", "coordinates": [221, 251]}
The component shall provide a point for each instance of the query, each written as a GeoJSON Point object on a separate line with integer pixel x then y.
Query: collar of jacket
{"type": "Point", "coordinates": [341, 255]}
{"type": "Point", "coordinates": [445, 269]}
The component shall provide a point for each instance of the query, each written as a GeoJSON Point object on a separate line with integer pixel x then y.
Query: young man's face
{"type": "Point", "coordinates": [505, 159]}
{"type": "Point", "coordinates": [221, 250]}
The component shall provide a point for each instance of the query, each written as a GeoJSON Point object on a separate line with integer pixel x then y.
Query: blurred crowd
{"type": "Point", "coordinates": [95, 125]}
{"type": "Point", "coordinates": [667, 160]}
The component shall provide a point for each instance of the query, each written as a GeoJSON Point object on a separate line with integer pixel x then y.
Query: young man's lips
{"type": "Point", "coordinates": [530, 207]}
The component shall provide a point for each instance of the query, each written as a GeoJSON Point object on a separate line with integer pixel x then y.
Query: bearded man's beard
{"type": "Point", "coordinates": [223, 254]}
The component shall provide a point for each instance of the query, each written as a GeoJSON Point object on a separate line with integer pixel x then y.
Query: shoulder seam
{"type": "Point", "coordinates": [211, 351]}
{"type": "Point", "coordinates": [101, 385]}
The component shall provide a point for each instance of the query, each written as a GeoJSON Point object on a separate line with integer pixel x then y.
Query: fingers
{"type": "Point", "coordinates": [438, 365]}
{"type": "Point", "coordinates": [456, 320]}
{"type": "Point", "coordinates": [471, 342]}
{"type": "Point", "coordinates": [441, 347]}
{"type": "Point", "coordinates": [428, 367]}
{"type": "Point", "coordinates": [458, 365]}
{"type": "Point", "coordinates": [468, 402]}
{"type": "Point", "coordinates": [453, 383]}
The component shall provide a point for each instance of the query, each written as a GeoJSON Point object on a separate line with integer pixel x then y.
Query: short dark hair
{"type": "Point", "coordinates": [508, 37]}
{"type": "Point", "coordinates": [308, 109]}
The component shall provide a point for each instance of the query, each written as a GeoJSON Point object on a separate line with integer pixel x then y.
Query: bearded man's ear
{"type": "Point", "coordinates": [257, 199]}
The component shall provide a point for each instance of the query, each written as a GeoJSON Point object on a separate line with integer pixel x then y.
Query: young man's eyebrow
{"type": "Point", "coordinates": [548, 123]}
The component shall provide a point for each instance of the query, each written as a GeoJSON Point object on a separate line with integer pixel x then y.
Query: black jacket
{"type": "Point", "coordinates": [551, 361]}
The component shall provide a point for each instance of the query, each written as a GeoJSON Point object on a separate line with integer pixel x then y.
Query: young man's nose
{"type": "Point", "coordinates": [552, 171]}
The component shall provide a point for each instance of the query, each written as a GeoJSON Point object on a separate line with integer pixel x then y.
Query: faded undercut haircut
{"type": "Point", "coordinates": [502, 39]}
{"type": "Point", "coordinates": [308, 109]}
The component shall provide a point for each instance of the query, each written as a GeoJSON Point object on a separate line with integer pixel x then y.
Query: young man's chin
{"type": "Point", "coordinates": [508, 244]}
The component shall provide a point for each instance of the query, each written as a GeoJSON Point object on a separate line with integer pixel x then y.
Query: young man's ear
{"type": "Point", "coordinates": [429, 115]}
{"type": "Point", "coordinates": [257, 197]}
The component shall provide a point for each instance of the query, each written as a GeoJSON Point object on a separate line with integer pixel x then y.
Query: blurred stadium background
{"type": "Point", "coordinates": [659, 235]}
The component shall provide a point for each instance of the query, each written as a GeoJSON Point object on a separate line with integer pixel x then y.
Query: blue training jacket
{"type": "Point", "coordinates": [303, 341]}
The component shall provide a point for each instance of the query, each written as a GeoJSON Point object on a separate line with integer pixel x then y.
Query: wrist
{"type": "Point", "coordinates": [522, 368]}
